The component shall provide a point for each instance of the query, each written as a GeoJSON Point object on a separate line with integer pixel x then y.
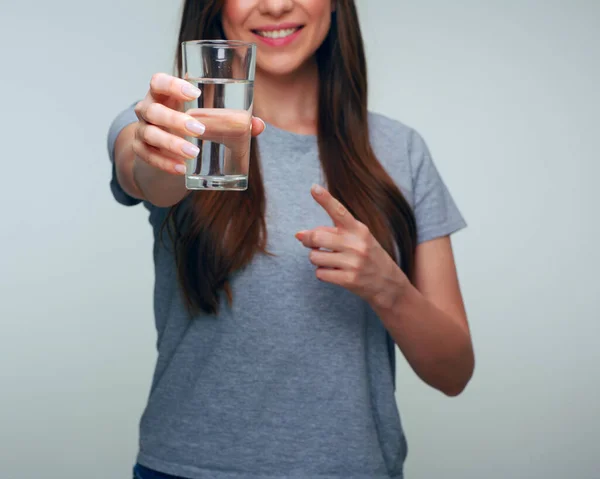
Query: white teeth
{"type": "Point", "coordinates": [277, 33]}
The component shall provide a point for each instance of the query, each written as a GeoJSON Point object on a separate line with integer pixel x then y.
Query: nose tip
{"type": "Point", "coordinates": [276, 8]}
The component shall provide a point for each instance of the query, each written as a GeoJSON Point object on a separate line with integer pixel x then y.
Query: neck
{"type": "Point", "coordinates": [289, 102]}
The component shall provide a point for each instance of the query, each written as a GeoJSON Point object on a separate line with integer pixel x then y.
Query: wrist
{"type": "Point", "coordinates": [395, 287]}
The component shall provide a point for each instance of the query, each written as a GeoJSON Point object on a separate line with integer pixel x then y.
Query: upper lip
{"type": "Point", "coordinates": [280, 26]}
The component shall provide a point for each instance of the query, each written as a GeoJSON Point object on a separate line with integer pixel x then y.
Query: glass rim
{"type": "Point", "coordinates": [220, 43]}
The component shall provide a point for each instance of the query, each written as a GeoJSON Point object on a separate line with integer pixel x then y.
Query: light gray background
{"type": "Point", "coordinates": [506, 94]}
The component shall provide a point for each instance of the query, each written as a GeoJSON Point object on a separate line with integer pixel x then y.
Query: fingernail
{"type": "Point", "coordinates": [263, 122]}
{"type": "Point", "coordinates": [180, 169]}
{"type": "Point", "coordinates": [190, 150]}
{"type": "Point", "coordinates": [190, 91]}
{"type": "Point", "coordinates": [195, 127]}
{"type": "Point", "coordinates": [318, 190]}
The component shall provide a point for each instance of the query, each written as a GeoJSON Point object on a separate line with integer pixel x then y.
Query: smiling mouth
{"type": "Point", "coordinates": [283, 33]}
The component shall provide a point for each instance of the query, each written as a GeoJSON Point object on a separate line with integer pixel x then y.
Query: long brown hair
{"type": "Point", "coordinates": [217, 233]}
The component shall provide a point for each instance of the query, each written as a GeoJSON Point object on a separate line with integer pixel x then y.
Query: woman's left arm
{"type": "Point", "coordinates": [427, 319]}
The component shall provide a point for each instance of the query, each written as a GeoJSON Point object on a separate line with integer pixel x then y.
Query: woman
{"type": "Point", "coordinates": [277, 309]}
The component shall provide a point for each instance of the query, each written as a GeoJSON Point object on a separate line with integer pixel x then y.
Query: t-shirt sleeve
{"type": "Point", "coordinates": [435, 211]}
{"type": "Point", "coordinates": [124, 118]}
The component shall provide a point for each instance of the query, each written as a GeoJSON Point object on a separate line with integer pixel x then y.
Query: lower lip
{"type": "Point", "coordinates": [279, 42]}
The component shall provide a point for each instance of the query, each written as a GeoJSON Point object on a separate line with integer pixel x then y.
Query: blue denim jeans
{"type": "Point", "coordinates": [141, 472]}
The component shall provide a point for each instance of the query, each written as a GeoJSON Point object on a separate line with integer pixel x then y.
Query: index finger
{"type": "Point", "coordinates": [162, 84]}
{"type": "Point", "coordinates": [336, 210]}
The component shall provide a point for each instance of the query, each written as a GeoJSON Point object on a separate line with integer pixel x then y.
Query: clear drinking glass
{"type": "Point", "coordinates": [224, 71]}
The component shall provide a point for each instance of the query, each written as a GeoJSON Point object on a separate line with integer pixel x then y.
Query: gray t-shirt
{"type": "Point", "coordinates": [296, 379]}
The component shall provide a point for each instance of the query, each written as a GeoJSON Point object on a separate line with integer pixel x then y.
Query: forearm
{"type": "Point", "coordinates": [141, 180]}
{"type": "Point", "coordinates": [436, 345]}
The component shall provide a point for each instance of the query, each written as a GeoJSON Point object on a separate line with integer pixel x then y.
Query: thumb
{"type": "Point", "coordinates": [257, 126]}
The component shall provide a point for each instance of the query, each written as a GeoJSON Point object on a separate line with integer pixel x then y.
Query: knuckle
{"type": "Point", "coordinates": [351, 277]}
{"type": "Point", "coordinates": [139, 150]}
{"type": "Point", "coordinates": [308, 240]}
{"type": "Point", "coordinates": [135, 146]}
{"type": "Point", "coordinates": [362, 250]}
{"type": "Point", "coordinates": [340, 209]}
{"type": "Point", "coordinates": [173, 84]}
{"type": "Point", "coordinates": [139, 108]}
{"type": "Point", "coordinates": [357, 262]}
{"type": "Point", "coordinates": [175, 120]}
{"type": "Point", "coordinates": [152, 112]}
{"type": "Point", "coordinates": [363, 229]}
{"type": "Point", "coordinates": [139, 132]}
{"type": "Point", "coordinates": [173, 144]}
{"type": "Point", "coordinates": [154, 159]}
{"type": "Point", "coordinates": [155, 81]}
{"type": "Point", "coordinates": [145, 134]}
